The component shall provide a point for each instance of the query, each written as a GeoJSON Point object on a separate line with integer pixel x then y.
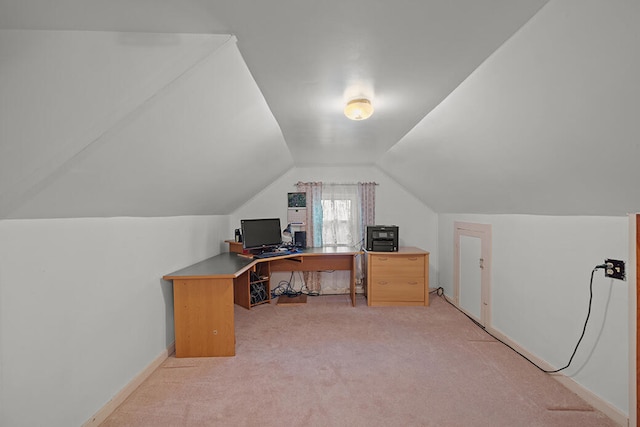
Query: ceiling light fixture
{"type": "Point", "coordinates": [358, 109]}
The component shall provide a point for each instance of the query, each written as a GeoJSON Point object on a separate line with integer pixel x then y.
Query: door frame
{"type": "Point", "coordinates": [483, 232]}
{"type": "Point", "coordinates": [633, 277]}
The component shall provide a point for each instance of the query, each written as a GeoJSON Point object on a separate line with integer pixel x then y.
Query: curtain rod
{"type": "Point", "coordinates": [336, 183]}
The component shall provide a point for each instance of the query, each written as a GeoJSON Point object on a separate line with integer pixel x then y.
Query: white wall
{"type": "Point", "coordinates": [540, 292]}
{"type": "Point", "coordinates": [418, 224]}
{"type": "Point", "coordinates": [83, 308]}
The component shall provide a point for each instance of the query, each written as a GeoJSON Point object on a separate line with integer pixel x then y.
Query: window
{"type": "Point", "coordinates": [340, 216]}
{"type": "Point", "coordinates": [336, 214]}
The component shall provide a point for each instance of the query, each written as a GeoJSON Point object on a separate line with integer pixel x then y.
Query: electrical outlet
{"type": "Point", "coordinates": [615, 269]}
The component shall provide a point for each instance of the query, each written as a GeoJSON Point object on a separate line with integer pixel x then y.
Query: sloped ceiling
{"type": "Point", "coordinates": [150, 108]}
{"type": "Point", "coordinates": [549, 124]}
{"type": "Point", "coordinates": [131, 124]}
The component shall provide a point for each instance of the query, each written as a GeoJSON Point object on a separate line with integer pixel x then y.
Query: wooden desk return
{"type": "Point", "coordinates": [204, 294]}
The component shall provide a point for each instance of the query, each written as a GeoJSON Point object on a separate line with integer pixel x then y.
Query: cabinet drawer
{"type": "Point", "coordinates": [397, 289]}
{"type": "Point", "coordinates": [404, 265]}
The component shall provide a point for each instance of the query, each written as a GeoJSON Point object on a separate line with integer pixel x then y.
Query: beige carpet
{"type": "Point", "coordinates": [326, 363]}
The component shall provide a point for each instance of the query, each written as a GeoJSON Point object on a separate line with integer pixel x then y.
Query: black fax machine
{"type": "Point", "coordinates": [382, 238]}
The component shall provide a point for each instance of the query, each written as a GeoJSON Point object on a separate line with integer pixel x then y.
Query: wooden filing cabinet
{"type": "Point", "coordinates": [398, 278]}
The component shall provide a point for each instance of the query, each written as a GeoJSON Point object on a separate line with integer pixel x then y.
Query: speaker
{"type": "Point", "coordinates": [300, 239]}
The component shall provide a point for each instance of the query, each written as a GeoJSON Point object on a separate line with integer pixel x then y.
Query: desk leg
{"type": "Point", "coordinates": [353, 281]}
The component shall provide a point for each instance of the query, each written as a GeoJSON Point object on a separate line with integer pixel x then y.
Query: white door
{"type": "Point", "coordinates": [470, 295]}
{"type": "Point", "coordinates": [472, 270]}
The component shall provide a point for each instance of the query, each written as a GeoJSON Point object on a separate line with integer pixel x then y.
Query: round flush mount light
{"type": "Point", "coordinates": [358, 109]}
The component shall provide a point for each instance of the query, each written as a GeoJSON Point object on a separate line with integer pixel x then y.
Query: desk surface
{"type": "Point", "coordinates": [402, 250]}
{"type": "Point", "coordinates": [225, 265]}
{"type": "Point", "coordinates": [230, 264]}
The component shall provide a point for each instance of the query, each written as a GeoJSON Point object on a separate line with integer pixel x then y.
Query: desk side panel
{"type": "Point", "coordinates": [426, 279]}
{"type": "Point", "coordinates": [242, 290]}
{"type": "Point", "coordinates": [204, 317]}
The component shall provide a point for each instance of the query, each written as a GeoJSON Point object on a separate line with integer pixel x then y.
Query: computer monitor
{"type": "Point", "coordinates": [262, 233]}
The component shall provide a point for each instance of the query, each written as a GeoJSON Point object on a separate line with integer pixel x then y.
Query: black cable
{"type": "Point", "coordinates": [304, 286]}
{"type": "Point", "coordinates": [284, 288]}
{"type": "Point", "coordinates": [288, 288]}
{"type": "Point", "coordinates": [584, 328]}
{"type": "Point", "coordinates": [440, 292]}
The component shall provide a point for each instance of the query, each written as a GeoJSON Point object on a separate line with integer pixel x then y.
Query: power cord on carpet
{"type": "Point", "coordinates": [440, 292]}
{"type": "Point", "coordinates": [287, 288]}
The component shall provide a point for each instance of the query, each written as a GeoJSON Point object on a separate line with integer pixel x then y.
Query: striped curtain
{"type": "Point", "coordinates": [313, 223]}
{"type": "Point", "coordinates": [313, 227]}
{"type": "Point", "coordinates": [367, 196]}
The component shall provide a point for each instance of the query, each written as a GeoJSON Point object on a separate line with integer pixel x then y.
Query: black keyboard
{"type": "Point", "coordinates": [272, 254]}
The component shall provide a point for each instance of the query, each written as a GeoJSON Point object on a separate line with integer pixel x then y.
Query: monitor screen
{"type": "Point", "coordinates": [261, 233]}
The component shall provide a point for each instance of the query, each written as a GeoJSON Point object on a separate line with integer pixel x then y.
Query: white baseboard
{"type": "Point", "coordinates": [120, 397]}
{"type": "Point", "coordinates": [592, 399]}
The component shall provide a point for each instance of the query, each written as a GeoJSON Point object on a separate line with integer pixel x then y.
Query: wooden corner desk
{"type": "Point", "coordinates": [204, 294]}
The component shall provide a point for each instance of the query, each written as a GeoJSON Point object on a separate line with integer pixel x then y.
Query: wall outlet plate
{"type": "Point", "coordinates": [615, 269]}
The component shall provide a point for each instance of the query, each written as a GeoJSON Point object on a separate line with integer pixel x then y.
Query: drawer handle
{"type": "Point", "coordinates": [383, 282]}
{"type": "Point", "coordinates": [413, 283]}
{"type": "Point", "coordinates": [413, 258]}
{"type": "Point", "coordinates": [383, 258]}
